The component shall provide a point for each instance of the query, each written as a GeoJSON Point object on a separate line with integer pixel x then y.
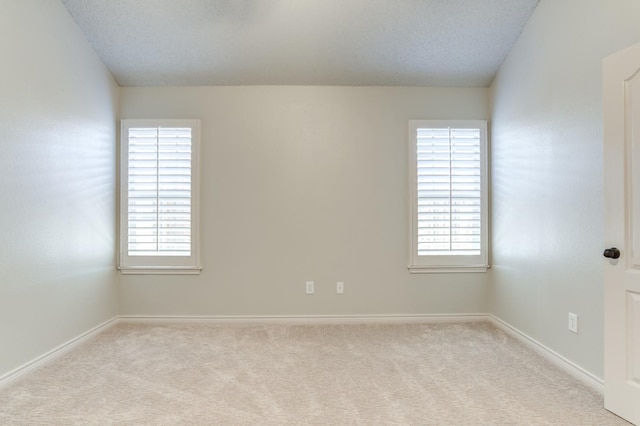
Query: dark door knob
{"type": "Point", "coordinates": [611, 253]}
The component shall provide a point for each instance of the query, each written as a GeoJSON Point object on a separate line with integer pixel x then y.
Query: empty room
{"type": "Point", "coordinates": [319, 212]}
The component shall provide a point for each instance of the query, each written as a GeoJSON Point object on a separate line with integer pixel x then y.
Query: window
{"type": "Point", "coordinates": [159, 197]}
{"type": "Point", "coordinates": [448, 196]}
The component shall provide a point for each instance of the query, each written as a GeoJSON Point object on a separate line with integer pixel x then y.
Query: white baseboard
{"type": "Point", "coordinates": [565, 364]}
{"type": "Point", "coordinates": [302, 319]}
{"type": "Point", "coordinates": [54, 353]}
{"type": "Point", "coordinates": [557, 359]}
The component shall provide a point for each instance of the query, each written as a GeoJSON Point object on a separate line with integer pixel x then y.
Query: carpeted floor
{"type": "Point", "coordinates": [197, 374]}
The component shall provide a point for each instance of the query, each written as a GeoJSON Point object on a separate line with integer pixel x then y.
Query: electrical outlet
{"type": "Point", "coordinates": [309, 286]}
{"type": "Point", "coordinates": [573, 322]}
{"type": "Point", "coordinates": [340, 287]}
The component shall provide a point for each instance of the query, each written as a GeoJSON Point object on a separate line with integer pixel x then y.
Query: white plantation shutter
{"type": "Point", "coordinates": [448, 194]}
{"type": "Point", "coordinates": [159, 184]}
{"type": "Point", "coordinates": [159, 197]}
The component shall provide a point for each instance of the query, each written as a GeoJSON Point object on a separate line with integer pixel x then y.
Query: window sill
{"type": "Point", "coordinates": [439, 269]}
{"type": "Point", "coordinates": [160, 270]}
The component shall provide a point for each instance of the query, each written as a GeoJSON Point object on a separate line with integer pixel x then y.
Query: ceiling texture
{"type": "Point", "coordinates": [302, 42]}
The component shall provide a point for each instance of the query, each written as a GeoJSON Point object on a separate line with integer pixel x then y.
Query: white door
{"type": "Point", "coordinates": [621, 86]}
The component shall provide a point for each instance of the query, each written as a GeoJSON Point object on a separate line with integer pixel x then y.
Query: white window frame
{"type": "Point", "coordinates": [182, 265]}
{"type": "Point", "coordinates": [446, 263]}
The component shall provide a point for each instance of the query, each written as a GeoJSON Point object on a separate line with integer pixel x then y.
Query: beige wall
{"type": "Point", "coordinates": [547, 173]}
{"type": "Point", "coordinates": [57, 182]}
{"type": "Point", "coordinates": [304, 183]}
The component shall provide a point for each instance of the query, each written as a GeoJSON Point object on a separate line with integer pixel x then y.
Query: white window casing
{"type": "Point", "coordinates": [448, 196]}
{"type": "Point", "coordinates": [159, 197]}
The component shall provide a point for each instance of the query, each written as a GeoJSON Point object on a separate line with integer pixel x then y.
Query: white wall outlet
{"type": "Point", "coordinates": [340, 287]}
{"type": "Point", "coordinates": [573, 322]}
{"type": "Point", "coordinates": [310, 287]}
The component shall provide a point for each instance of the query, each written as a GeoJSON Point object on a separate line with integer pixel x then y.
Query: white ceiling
{"type": "Point", "coordinates": [302, 42]}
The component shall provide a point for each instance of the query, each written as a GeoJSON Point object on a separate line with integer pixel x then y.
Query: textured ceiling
{"type": "Point", "coordinates": [302, 42]}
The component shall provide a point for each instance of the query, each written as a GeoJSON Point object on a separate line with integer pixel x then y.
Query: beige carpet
{"type": "Point", "coordinates": [193, 374]}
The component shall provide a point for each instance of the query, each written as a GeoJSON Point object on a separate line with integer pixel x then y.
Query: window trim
{"type": "Point", "coordinates": [159, 265]}
{"type": "Point", "coordinates": [450, 263]}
